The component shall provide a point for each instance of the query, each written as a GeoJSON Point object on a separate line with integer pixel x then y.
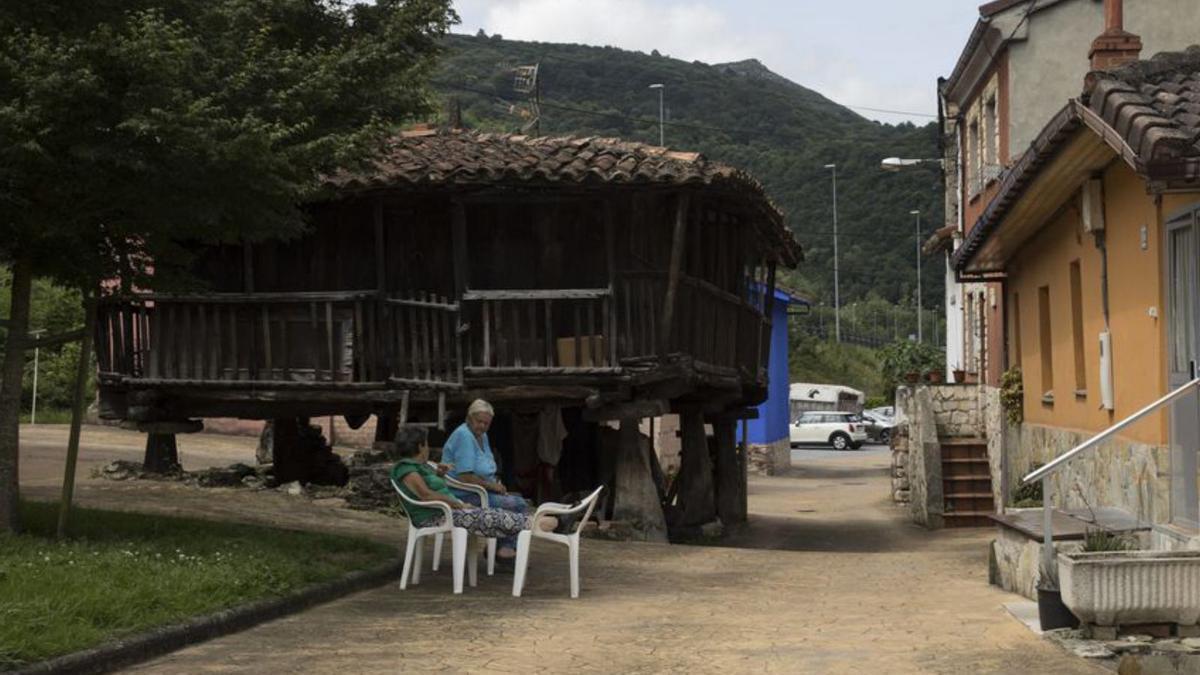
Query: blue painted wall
{"type": "Point", "coordinates": [772, 422]}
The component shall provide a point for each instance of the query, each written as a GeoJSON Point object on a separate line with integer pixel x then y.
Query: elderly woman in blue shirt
{"type": "Point", "coordinates": [470, 457]}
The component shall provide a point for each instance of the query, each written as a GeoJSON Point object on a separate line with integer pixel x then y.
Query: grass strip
{"type": "Point", "coordinates": [122, 573]}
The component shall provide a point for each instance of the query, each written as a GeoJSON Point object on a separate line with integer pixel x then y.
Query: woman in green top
{"type": "Point", "coordinates": [422, 482]}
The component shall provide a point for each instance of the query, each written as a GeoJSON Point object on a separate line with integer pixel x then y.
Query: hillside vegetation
{"type": "Point", "coordinates": [739, 113]}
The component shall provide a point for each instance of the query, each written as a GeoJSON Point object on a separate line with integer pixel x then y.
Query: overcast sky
{"type": "Point", "coordinates": [872, 53]}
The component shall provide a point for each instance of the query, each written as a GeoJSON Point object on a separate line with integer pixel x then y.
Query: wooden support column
{"type": "Point", "coordinates": [678, 243]}
{"type": "Point", "coordinates": [695, 472]}
{"type": "Point", "coordinates": [636, 499]}
{"type": "Point", "coordinates": [162, 454]}
{"type": "Point", "coordinates": [247, 267]}
{"type": "Point", "coordinates": [458, 233]}
{"type": "Point", "coordinates": [385, 428]}
{"type": "Point", "coordinates": [290, 463]}
{"type": "Point", "coordinates": [731, 485]}
{"type": "Point", "coordinates": [380, 249]}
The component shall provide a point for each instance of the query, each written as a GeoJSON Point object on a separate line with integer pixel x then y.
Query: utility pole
{"type": "Point", "coordinates": [916, 213]}
{"type": "Point", "coordinates": [837, 301]}
{"type": "Point", "coordinates": [33, 409]}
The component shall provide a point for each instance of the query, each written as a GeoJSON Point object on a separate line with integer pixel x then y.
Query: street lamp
{"type": "Point", "coordinates": [33, 409]}
{"type": "Point", "coordinates": [917, 213]}
{"type": "Point", "coordinates": [898, 164]}
{"type": "Point", "coordinates": [837, 302]}
{"type": "Point", "coordinates": [659, 87]}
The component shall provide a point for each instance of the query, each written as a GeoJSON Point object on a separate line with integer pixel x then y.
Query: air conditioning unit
{"type": "Point", "coordinates": [1092, 206]}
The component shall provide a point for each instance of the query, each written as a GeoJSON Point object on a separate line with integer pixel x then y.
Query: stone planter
{"type": "Point", "coordinates": [1125, 588]}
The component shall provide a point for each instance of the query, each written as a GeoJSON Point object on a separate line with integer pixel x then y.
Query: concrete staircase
{"type": "Point", "coordinates": [966, 483]}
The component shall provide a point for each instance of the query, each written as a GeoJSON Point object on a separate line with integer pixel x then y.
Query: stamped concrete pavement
{"type": "Point", "coordinates": [828, 577]}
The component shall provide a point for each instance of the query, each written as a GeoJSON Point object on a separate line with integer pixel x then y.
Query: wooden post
{"type": "Point", "coordinates": [636, 497]}
{"type": "Point", "coordinates": [247, 267]}
{"type": "Point", "coordinates": [162, 454]}
{"type": "Point", "coordinates": [458, 233]}
{"type": "Point", "coordinates": [695, 472]}
{"type": "Point", "coordinates": [678, 241]}
{"type": "Point", "coordinates": [730, 484]}
{"type": "Point", "coordinates": [81, 375]}
{"type": "Point", "coordinates": [290, 464]}
{"type": "Point", "coordinates": [380, 251]}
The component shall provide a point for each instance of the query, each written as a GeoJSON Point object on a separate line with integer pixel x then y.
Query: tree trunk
{"type": "Point", "coordinates": [695, 473]}
{"type": "Point", "coordinates": [162, 454]}
{"type": "Point", "coordinates": [82, 367]}
{"type": "Point", "coordinates": [10, 396]}
{"type": "Point", "coordinates": [636, 498]}
{"type": "Point", "coordinates": [730, 483]}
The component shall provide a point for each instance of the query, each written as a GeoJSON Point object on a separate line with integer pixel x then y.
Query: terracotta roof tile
{"type": "Point", "coordinates": [449, 159]}
{"type": "Point", "coordinates": [1153, 104]}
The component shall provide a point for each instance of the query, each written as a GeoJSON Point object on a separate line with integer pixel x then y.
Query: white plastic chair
{"type": "Point", "coordinates": [571, 541]}
{"type": "Point", "coordinates": [483, 502]}
{"type": "Point", "coordinates": [462, 548]}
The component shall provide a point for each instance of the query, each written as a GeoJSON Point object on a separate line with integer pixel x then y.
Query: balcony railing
{"type": "Point", "coordinates": [339, 340]}
{"type": "Point", "coordinates": [541, 331]}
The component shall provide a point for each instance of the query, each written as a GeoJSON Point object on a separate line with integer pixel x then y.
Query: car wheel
{"type": "Point", "coordinates": [885, 437]}
{"type": "Point", "coordinates": [839, 441]}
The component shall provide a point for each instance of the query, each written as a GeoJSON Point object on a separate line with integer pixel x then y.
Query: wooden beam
{"type": "Point", "coordinates": [627, 410]}
{"type": "Point", "coordinates": [696, 492]}
{"type": "Point", "coordinates": [380, 251]}
{"type": "Point", "coordinates": [730, 484]}
{"type": "Point", "coordinates": [678, 242]}
{"type": "Point", "coordinates": [458, 232]}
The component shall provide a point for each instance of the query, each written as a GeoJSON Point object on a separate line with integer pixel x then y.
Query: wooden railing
{"type": "Point", "coordinates": [284, 339]}
{"type": "Point", "coordinates": [423, 343]}
{"type": "Point", "coordinates": [711, 325]}
{"type": "Point", "coordinates": [541, 331]}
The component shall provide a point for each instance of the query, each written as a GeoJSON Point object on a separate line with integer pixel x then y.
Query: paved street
{"type": "Point", "coordinates": [828, 578]}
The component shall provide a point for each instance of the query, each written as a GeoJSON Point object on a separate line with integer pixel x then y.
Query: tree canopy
{"type": "Point", "coordinates": [129, 127]}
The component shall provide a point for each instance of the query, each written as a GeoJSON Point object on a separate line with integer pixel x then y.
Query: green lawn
{"type": "Point", "coordinates": [121, 573]}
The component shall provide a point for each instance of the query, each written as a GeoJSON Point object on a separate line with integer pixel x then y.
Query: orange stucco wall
{"type": "Point", "coordinates": [1135, 286]}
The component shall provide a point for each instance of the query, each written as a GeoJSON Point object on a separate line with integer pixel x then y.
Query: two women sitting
{"type": "Point", "coordinates": [468, 457]}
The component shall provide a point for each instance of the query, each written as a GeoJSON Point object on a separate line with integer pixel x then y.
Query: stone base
{"type": "Point", "coordinates": [1016, 561]}
{"type": "Point", "coordinates": [771, 459]}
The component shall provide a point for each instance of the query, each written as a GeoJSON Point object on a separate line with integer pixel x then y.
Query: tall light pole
{"type": "Point", "coordinates": [837, 300]}
{"type": "Point", "coordinates": [33, 409]}
{"type": "Point", "coordinates": [659, 87]}
{"type": "Point", "coordinates": [918, 215]}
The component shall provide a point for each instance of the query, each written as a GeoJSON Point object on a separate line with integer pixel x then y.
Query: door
{"type": "Point", "coordinates": [1183, 338]}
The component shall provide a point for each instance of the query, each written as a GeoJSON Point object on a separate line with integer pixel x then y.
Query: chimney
{"type": "Point", "coordinates": [1114, 47]}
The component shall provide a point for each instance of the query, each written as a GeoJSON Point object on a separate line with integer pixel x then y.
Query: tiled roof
{"type": "Point", "coordinates": [427, 158]}
{"type": "Point", "coordinates": [1148, 112]}
{"type": "Point", "coordinates": [1154, 105]}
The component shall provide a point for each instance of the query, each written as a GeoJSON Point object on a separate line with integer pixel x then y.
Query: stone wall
{"type": "Point", "coordinates": [1015, 564]}
{"type": "Point", "coordinates": [770, 460]}
{"type": "Point", "coordinates": [926, 501]}
{"type": "Point", "coordinates": [999, 435]}
{"type": "Point", "coordinates": [1119, 473]}
{"type": "Point", "coordinates": [900, 486]}
{"type": "Point", "coordinates": [957, 409]}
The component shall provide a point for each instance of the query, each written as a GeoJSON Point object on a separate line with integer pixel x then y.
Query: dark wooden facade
{"type": "Point", "coordinates": [625, 298]}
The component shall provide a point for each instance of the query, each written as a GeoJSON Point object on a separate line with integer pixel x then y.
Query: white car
{"type": "Point", "coordinates": [842, 430]}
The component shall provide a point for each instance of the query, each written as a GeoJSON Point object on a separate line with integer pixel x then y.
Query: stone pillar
{"type": "Point", "coordinates": [731, 483]}
{"type": "Point", "coordinates": [636, 496]}
{"type": "Point", "coordinates": [162, 454]}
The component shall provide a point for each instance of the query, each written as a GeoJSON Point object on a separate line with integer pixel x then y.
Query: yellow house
{"type": "Point", "coordinates": [1096, 233]}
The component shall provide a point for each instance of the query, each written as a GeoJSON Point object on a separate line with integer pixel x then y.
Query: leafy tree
{"type": "Point", "coordinates": [130, 126]}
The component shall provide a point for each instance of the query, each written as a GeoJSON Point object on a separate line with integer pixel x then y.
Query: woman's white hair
{"type": "Point", "coordinates": [480, 407]}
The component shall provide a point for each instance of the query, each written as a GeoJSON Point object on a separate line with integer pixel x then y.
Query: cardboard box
{"type": "Point", "coordinates": [589, 358]}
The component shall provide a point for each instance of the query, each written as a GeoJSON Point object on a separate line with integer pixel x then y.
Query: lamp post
{"type": "Point", "coordinates": [837, 301]}
{"type": "Point", "coordinates": [659, 87]}
{"type": "Point", "coordinates": [33, 409]}
{"type": "Point", "coordinates": [898, 163]}
{"type": "Point", "coordinates": [918, 215]}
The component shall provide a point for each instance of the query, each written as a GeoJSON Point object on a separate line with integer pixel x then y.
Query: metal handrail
{"type": "Point", "coordinates": [1099, 438]}
{"type": "Point", "coordinates": [1043, 473]}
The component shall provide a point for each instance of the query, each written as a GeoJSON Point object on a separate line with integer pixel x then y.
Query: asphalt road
{"type": "Point", "coordinates": [808, 452]}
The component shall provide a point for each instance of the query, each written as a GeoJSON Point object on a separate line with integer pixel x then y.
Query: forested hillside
{"type": "Point", "coordinates": [743, 114]}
